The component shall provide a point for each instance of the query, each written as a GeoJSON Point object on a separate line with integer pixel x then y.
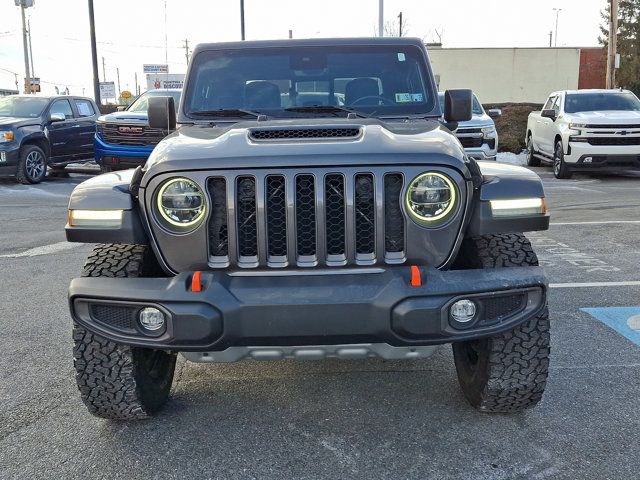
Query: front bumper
{"type": "Point", "coordinates": [622, 157]}
{"type": "Point", "coordinates": [370, 306]}
{"type": "Point", "coordinates": [127, 156]}
{"type": "Point", "coordinates": [9, 158]}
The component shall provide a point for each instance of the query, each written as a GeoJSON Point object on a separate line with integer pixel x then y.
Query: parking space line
{"type": "Point", "coordinates": [631, 283]}
{"type": "Point", "coordinates": [44, 250]}
{"type": "Point", "coordinates": [603, 222]}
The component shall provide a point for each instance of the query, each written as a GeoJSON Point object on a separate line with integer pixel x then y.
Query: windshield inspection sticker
{"type": "Point", "coordinates": [401, 57]}
{"type": "Point", "coordinates": [409, 97]}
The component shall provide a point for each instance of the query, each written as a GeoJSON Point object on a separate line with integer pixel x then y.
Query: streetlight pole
{"type": "Point", "coordinates": [242, 19]}
{"type": "Point", "coordinates": [94, 54]}
{"type": "Point", "coordinates": [613, 44]}
{"type": "Point", "coordinates": [557, 10]}
{"type": "Point", "coordinates": [33, 70]}
{"type": "Point", "coordinates": [27, 84]}
{"type": "Point", "coordinates": [381, 18]}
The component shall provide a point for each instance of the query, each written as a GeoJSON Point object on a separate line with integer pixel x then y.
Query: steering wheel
{"type": "Point", "coordinates": [384, 100]}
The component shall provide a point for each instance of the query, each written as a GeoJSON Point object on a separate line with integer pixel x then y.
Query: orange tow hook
{"type": "Point", "coordinates": [196, 282]}
{"type": "Point", "coordinates": [416, 280]}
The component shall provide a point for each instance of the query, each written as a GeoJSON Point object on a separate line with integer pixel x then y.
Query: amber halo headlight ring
{"type": "Point", "coordinates": [431, 198]}
{"type": "Point", "coordinates": [181, 205]}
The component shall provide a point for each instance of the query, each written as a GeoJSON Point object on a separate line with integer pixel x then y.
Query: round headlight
{"type": "Point", "coordinates": [431, 197]}
{"type": "Point", "coordinates": [181, 203]}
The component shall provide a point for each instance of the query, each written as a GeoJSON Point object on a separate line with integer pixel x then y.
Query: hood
{"type": "Point", "coordinates": [477, 121]}
{"type": "Point", "coordinates": [374, 141]}
{"type": "Point", "coordinates": [18, 122]}
{"type": "Point", "coordinates": [124, 117]}
{"type": "Point", "coordinates": [610, 117]}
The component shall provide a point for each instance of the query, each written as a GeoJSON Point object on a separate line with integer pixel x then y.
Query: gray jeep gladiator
{"type": "Point", "coordinates": [309, 204]}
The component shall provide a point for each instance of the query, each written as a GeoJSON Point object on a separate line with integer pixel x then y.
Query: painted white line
{"type": "Point", "coordinates": [44, 250]}
{"type": "Point", "coordinates": [632, 283]}
{"type": "Point", "coordinates": [604, 222]}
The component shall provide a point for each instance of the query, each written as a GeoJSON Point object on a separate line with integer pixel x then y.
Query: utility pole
{"type": "Point", "coordinates": [551, 39]}
{"type": "Point", "coordinates": [135, 76]}
{"type": "Point", "coordinates": [400, 24]}
{"type": "Point", "coordinates": [94, 55]}
{"type": "Point", "coordinates": [290, 34]}
{"type": "Point", "coordinates": [613, 44]}
{"type": "Point", "coordinates": [118, 77]}
{"type": "Point", "coordinates": [381, 18]}
{"type": "Point", "coordinates": [33, 71]}
{"type": "Point", "coordinates": [242, 19]}
{"type": "Point", "coordinates": [186, 50]}
{"type": "Point", "coordinates": [557, 10]}
{"type": "Point", "coordinates": [27, 85]}
{"type": "Point", "coordinates": [104, 75]}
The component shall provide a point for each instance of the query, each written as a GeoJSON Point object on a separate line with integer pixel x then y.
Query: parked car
{"type": "Point", "coordinates": [478, 136]}
{"type": "Point", "coordinates": [38, 131]}
{"type": "Point", "coordinates": [123, 139]}
{"type": "Point", "coordinates": [586, 130]}
{"type": "Point", "coordinates": [307, 232]}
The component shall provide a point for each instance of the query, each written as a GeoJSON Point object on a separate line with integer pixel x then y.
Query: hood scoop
{"type": "Point", "coordinates": [304, 133]}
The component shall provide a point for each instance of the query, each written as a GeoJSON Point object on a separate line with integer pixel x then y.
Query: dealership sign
{"type": "Point", "coordinates": [107, 90]}
{"type": "Point", "coordinates": [155, 68]}
{"type": "Point", "coordinates": [173, 80]}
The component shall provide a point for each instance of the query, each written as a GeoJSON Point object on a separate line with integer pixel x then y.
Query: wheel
{"type": "Point", "coordinates": [504, 373]}
{"type": "Point", "coordinates": [532, 160]}
{"type": "Point", "coordinates": [560, 168]}
{"type": "Point", "coordinates": [32, 166]}
{"type": "Point", "coordinates": [117, 381]}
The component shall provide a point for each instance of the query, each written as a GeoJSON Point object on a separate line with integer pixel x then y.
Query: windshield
{"type": "Point", "coordinates": [22, 107]}
{"type": "Point", "coordinates": [593, 102]}
{"type": "Point", "coordinates": [380, 80]}
{"type": "Point", "coordinates": [476, 107]}
{"type": "Point", "coordinates": [142, 102]}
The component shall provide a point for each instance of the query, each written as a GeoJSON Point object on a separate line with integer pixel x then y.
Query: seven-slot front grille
{"type": "Point", "coordinates": [305, 219]}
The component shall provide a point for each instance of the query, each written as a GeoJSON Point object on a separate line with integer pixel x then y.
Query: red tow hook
{"type": "Point", "coordinates": [416, 279]}
{"type": "Point", "coordinates": [196, 282]}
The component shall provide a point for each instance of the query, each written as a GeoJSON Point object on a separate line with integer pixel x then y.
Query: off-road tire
{"type": "Point", "coordinates": [505, 373]}
{"type": "Point", "coordinates": [532, 160]}
{"type": "Point", "coordinates": [25, 174]}
{"type": "Point", "coordinates": [117, 381]}
{"type": "Point", "coordinates": [560, 168]}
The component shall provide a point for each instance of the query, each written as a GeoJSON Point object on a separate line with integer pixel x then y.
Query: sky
{"type": "Point", "coordinates": [131, 33]}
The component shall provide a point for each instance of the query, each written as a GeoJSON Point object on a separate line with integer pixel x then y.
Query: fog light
{"type": "Point", "coordinates": [463, 311]}
{"type": "Point", "coordinates": [588, 160]}
{"type": "Point", "coordinates": [151, 319]}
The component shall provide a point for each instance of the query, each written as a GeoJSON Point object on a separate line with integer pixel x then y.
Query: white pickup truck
{"type": "Point", "coordinates": [587, 130]}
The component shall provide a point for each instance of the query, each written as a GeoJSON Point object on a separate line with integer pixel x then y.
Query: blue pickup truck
{"type": "Point", "coordinates": [123, 139]}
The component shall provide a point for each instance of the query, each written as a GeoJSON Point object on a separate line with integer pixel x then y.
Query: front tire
{"type": "Point", "coordinates": [32, 167]}
{"type": "Point", "coordinates": [532, 160]}
{"type": "Point", "coordinates": [505, 373]}
{"type": "Point", "coordinates": [117, 381]}
{"type": "Point", "coordinates": [560, 168]}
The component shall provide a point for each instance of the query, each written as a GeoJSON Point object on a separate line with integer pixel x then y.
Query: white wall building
{"type": "Point", "coordinates": [502, 75]}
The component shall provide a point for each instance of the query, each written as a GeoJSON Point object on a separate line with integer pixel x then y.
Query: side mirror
{"type": "Point", "coordinates": [457, 105]}
{"type": "Point", "coordinates": [494, 113]}
{"type": "Point", "coordinates": [57, 117]}
{"type": "Point", "coordinates": [549, 113]}
{"type": "Point", "coordinates": [162, 113]}
{"type": "Point", "coordinates": [121, 108]}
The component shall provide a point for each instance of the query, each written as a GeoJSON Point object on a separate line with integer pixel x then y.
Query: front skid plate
{"type": "Point", "coordinates": [314, 352]}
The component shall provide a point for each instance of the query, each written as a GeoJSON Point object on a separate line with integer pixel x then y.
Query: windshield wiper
{"type": "Point", "coordinates": [225, 113]}
{"type": "Point", "coordinates": [325, 109]}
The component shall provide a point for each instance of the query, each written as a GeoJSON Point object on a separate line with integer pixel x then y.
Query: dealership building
{"type": "Point", "coordinates": [518, 75]}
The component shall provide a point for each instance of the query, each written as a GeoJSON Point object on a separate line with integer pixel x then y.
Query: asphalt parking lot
{"type": "Point", "coordinates": [334, 419]}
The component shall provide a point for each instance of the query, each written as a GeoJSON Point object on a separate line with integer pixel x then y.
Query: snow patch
{"type": "Point", "coordinates": [512, 158]}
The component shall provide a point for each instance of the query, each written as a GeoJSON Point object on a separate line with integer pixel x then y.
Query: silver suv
{"type": "Point", "coordinates": [478, 135]}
